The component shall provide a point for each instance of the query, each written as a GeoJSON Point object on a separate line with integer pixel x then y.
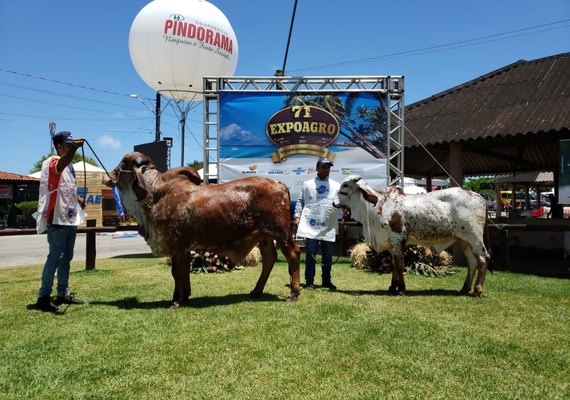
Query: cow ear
{"type": "Point", "coordinates": [369, 197]}
{"type": "Point", "coordinates": [139, 186]}
{"type": "Point", "coordinates": [111, 179]}
{"type": "Point", "coordinates": [367, 192]}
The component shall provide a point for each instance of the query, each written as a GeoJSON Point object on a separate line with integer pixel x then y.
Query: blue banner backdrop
{"type": "Point", "coordinates": [282, 135]}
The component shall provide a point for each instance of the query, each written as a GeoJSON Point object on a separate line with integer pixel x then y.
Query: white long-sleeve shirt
{"type": "Point", "coordinates": [318, 217]}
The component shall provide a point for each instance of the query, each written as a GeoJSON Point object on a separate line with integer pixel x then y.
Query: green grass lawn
{"type": "Point", "coordinates": [356, 343]}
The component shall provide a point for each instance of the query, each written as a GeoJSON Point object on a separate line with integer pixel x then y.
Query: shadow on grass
{"type": "Point", "coordinates": [132, 303]}
{"type": "Point", "coordinates": [140, 255]}
{"type": "Point", "coordinates": [409, 293]}
{"type": "Point", "coordinates": [206, 301]}
{"type": "Point", "coordinates": [62, 310]}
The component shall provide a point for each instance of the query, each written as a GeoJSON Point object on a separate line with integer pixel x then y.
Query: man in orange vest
{"type": "Point", "coordinates": [59, 214]}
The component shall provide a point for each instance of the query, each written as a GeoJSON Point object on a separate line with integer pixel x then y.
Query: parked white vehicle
{"type": "Point", "coordinates": [489, 201]}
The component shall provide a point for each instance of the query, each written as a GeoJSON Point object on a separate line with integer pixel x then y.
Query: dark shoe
{"type": "Point", "coordinates": [44, 304]}
{"type": "Point", "coordinates": [329, 285]}
{"type": "Point", "coordinates": [68, 299]}
{"type": "Point", "coordinates": [310, 286]}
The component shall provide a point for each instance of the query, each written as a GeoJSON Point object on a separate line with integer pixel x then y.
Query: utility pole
{"type": "Point", "coordinates": [157, 117]}
{"type": "Point", "coordinates": [182, 125]}
{"type": "Point", "coordinates": [52, 133]}
{"type": "Point", "coordinates": [156, 113]}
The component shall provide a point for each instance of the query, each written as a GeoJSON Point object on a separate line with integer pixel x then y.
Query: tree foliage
{"type": "Point", "coordinates": [196, 164]}
{"type": "Point", "coordinates": [482, 184]}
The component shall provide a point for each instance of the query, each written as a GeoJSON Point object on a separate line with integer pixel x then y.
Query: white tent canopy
{"type": "Point", "coordinates": [410, 186]}
{"type": "Point", "coordinates": [79, 167]}
{"type": "Point", "coordinates": [213, 170]}
{"type": "Point", "coordinates": [413, 189]}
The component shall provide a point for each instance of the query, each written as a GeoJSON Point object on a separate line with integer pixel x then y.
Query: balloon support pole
{"type": "Point", "coordinates": [182, 126]}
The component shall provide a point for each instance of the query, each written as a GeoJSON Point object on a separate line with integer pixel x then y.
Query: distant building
{"type": "Point", "coordinates": [16, 188]}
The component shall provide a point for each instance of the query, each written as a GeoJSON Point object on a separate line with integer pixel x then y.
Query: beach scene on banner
{"type": "Point", "coordinates": [282, 135]}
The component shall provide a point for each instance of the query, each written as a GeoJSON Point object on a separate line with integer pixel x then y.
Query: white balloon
{"type": "Point", "coordinates": [175, 43]}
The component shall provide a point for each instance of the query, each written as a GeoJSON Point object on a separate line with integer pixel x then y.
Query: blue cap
{"type": "Point", "coordinates": [62, 137]}
{"type": "Point", "coordinates": [324, 161]}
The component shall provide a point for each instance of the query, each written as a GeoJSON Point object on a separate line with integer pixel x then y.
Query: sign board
{"type": "Point", "coordinates": [157, 151]}
{"type": "Point", "coordinates": [282, 135]}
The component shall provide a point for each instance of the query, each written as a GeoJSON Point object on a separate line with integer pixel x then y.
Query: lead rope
{"type": "Point", "coordinates": [95, 154]}
{"type": "Point", "coordinates": [116, 193]}
{"type": "Point", "coordinates": [324, 265]}
{"type": "Point", "coordinates": [320, 263]}
{"type": "Point", "coordinates": [84, 179]}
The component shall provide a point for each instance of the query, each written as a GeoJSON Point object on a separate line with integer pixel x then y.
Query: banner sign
{"type": "Point", "coordinates": [282, 135]}
{"type": "Point", "coordinates": [118, 201]}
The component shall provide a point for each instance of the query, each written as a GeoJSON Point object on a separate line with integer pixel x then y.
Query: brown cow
{"type": "Point", "coordinates": [179, 215]}
{"type": "Point", "coordinates": [393, 220]}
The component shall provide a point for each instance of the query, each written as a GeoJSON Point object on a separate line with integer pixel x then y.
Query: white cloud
{"type": "Point", "coordinates": [234, 133]}
{"type": "Point", "coordinates": [109, 142]}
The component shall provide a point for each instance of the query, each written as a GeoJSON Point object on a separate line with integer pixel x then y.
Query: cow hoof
{"type": "Point", "coordinates": [255, 294]}
{"type": "Point", "coordinates": [477, 295]}
{"type": "Point", "coordinates": [293, 297]}
{"type": "Point", "coordinates": [396, 292]}
{"type": "Point", "coordinates": [174, 305]}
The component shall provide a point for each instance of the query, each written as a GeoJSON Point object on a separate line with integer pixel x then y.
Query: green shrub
{"type": "Point", "coordinates": [27, 205]}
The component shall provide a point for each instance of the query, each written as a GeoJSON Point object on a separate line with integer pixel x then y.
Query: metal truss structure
{"type": "Point", "coordinates": [391, 86]}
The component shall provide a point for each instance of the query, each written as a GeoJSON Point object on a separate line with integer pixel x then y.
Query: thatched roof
{"type": "Point", "coordinates": [527, 178]}
{"type": "Point", "coordinates": [508, 120]}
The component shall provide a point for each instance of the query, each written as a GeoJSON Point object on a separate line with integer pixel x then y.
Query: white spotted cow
{"type": "Point", "coordinates": [393, 220]}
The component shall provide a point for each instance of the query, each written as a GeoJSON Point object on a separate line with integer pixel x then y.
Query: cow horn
{"type": "Point", "coordinates": [140, 161]}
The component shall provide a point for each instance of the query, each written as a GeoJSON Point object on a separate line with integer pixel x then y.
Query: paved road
{"type": "Point", "coordinates": [33, 249]}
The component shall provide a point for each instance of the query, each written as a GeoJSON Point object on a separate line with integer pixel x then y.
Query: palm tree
{"type": "Point", "coordinates": [357, 134]}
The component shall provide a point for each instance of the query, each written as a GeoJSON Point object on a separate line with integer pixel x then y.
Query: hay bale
{"type": "Point", "coordinates": [421, 260]}
{"type": "Point", "coordinates": [252, 259]}
{"type": "Point", "coordinates": [359, 255]}
{"type": "Point", "coordinates": [445, 258]}
{"type": "Point", "coordinates": [418, 260]}
{"type": "Point", "coordinates": [441, 259]}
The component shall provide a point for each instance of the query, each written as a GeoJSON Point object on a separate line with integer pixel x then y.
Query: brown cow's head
{"type": "Point", "coordinates": [129, 174]}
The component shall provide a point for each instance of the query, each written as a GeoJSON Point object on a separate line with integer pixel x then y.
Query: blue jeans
{"type": "Point", "coordinates": [61, 240]}
{"type": "Point", "coordinates": [312, 246]}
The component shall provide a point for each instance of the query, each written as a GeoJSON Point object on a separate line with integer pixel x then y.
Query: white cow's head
{"type": "Point", "coordinates": [354, 193]}
{"type": "Point", "coordinates": [352, 189]}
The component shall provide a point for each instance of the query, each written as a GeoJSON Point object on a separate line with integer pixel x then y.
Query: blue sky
{"type": "Point", "coordinates": [68, 61]}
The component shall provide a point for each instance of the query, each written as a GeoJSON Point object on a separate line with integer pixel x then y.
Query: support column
{"type": "Point", "coordinates": [456, 163]}
{"type": "Point", "coordinates": [456, 171]}
{"type": "Point", "coordinates": [90, 246]}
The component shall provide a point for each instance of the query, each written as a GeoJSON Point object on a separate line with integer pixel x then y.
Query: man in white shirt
{"type": "Point", "coordinates": [316, 221]}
